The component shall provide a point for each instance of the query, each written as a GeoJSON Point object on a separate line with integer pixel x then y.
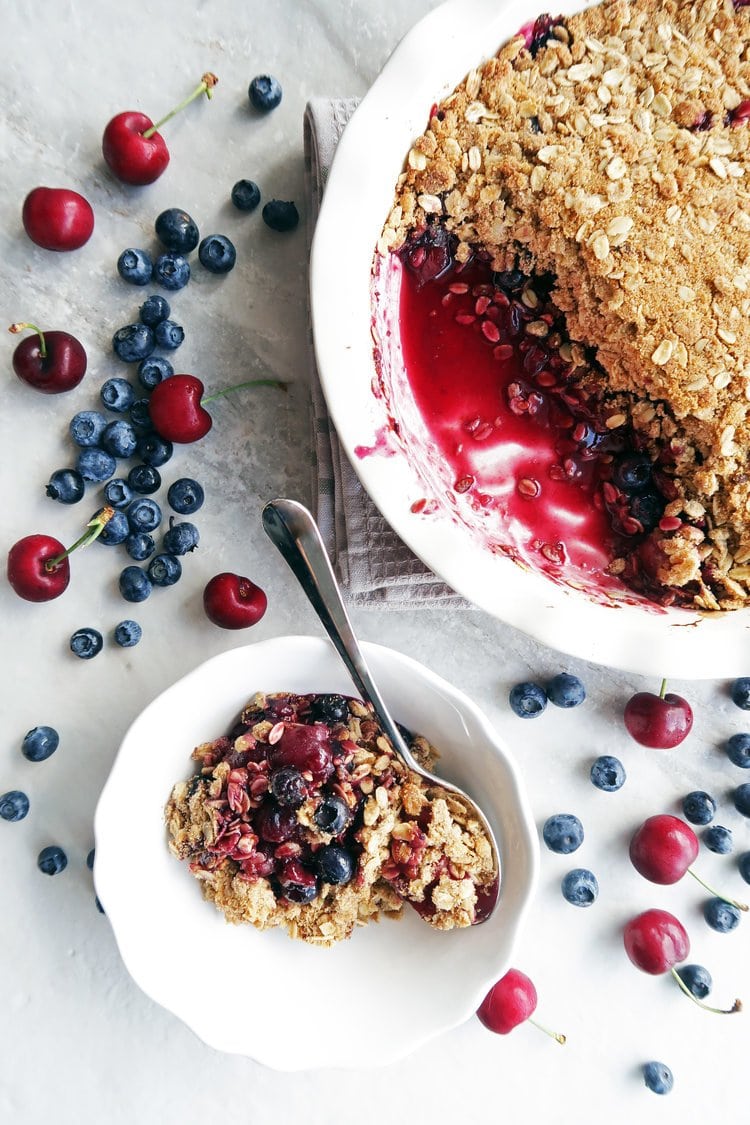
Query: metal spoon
{"type": "Point", "coordinates": [291, 528]}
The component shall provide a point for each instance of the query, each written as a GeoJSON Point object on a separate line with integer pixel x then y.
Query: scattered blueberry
{"type": "Point", "coordinates": [699, 807]}
{"type": "Point", "coordinates": [120, 438]}
{"type": "Point", "coordinates": [135, 266]}
{"type": "Point", "coordinates": [169, 335]}
{"type": "Point", "coordinates": [329, 708]}
{"type": "Point", "coordinates": [332, 815]}
{"type": "Point", "coordinates": [153, 310]}
{"type": "Point", "coordinates": [40, 743]}
{"type": "Point", "coordinates": [164, 570]}
{"type": "Point", "coordinates": [117, 493]}
{"type": "Point", "coordinates": [527, 700]}
{"type": "Point", "coordinates": [741, 797]}
{"type": "Point", "coordinates": [144, 514]}
{"type": "Point", "coordinates": [140, 415]}
{"type": "Point", "coordinates": [154, 370]}
{"type": "Point", "coordinates": [52, 860]}
{"type": "Point", "coordinates": [718, 839]}
{"type": "Point", "coordinates": [217, 254]}
{"type": "Point", "coordinates": [140, 546]}
{"type": "Point", "coordinates": [288, 787]}
{"type": "Point", "coordinates": [135, 584]}
{"type": "Point", "coordinates": [144, 479]}
{"type": "Point", "coordinates": [743, 863]}
{"type": "Point", "coordinates": [721, 916]}
{"type": "Point", "coordinates": [176, 230]}
{"type": "Point", "coordinates": [96, 464]}
{"type": "Point", "coordinates": [741, 692]}
{"type": "Point", "coordinates": [115, 531]}
{"type": "Point", "coordinates": [246, 195]}
{"type": "Point", "coordinates": [608, 773]}
{"type": "Point", "coordinates": [565, 690]}
{"type": "Point", "coordinates": [172, 271]}
{"type": "Point", "coordinates": [154, 450]}
{"type": "Point", "coordinates": [14, 805]}
{"type": "Point", "coordinates": [66, 485]}
{"type": "Point", "coordinates": [563, 833]}
{"type": "Point", "coordinates": [181, 538]}
{"type": "Point", "coordinates": [185, 496]}
{"type": "Point", "coordinates": [632, 472]}
{"type": "Point", "coordinates": [658, 1077]}
{"type": "Point", "coordinates": [87, 427]}
{"type": "Point", "coordinates": [117, 395]}
{"type": "Point", "coordinates": [580, 887]}
{"type": "Point", "coordinates": [90, 859]}
{"type": "Point", "coordinates": [133, 342]}
{"type": "Point", "coordinates": [280, 215]}
{"type": "Point", "coordinates": [264, 93]}
{"type": "Point", "coordinates": [128, 633]}
{"type": "Point", "coordinates": [737, 749]}
{"type": "Point", "coordinates": [335, 865]}
{"type": "Point", "coordinates": [696, 979]}
{"type": "Point", "coordinates": [86, 643]}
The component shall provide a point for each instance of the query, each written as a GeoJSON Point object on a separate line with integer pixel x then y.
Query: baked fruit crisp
{"type": "Point", "coordinates": [583, 201]}
{"type": "Point", "coordinates": [304, 817]}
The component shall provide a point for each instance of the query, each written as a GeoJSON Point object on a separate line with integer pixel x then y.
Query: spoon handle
{"type": "Point", "coordinates": [292, 529]}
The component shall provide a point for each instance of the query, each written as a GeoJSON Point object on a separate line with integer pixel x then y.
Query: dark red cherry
{"type": "Point", "coordinates": [510, 1002]}
{"type": "Point", "coordinates": [176, 412]}
{"type": "Point", "coordinates": [57, 218]}
{"type": "Point", "coordinates": [231, 601]}
{"type": "Point", "coordinates": [658, 721]}
{"type": "Point", "coordinates": [51, 362]}
{"type": "Point", "coordinates": [32, 570]}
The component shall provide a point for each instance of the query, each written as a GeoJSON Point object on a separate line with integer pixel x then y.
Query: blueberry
{"type": "Point", "coordinates": [96, 464]}
{"type": "Point", "coordinates": [117, 395]}
{"type": "Point", "coordinates": [117, 493]}
{"type": "Point", "coordinates": [280, 215]}
{"type": "Point", "coordinates": [140, 546]}
{"type": "Point", "coordinates": [563, 833]}
{"type": "Point", "coordinates": [632, 472]}
{"type": "Point", "coordinates": [297, 891]}
{"type": "Point", "coordinates": [696, 979]}
{"type": "Point", "coordinates": [153, 310]}
{"type": "Point", "coordinates": [66, 485]}
{"type": "Point", "coordinates": [741, 693]}
{"type": "Point", "coordinates": [181, 538]}
{"type": "Point", "coordinates": [120, 438]}
{"type": "Point", "coordinates": [658, 1077]}
{"type": "Point", "coordinates": [52, 860]}
{"type": "Point", "coordinates": [608, 773]}
{"type": "Point", "coordinates": [737, 749]}
{"type": "Point", "coordinates": [527, 700]}
{"type": "Point", "coordinates": [164, 570]}
{"type": "Point", "coordinates": [127, 634]}
{"type": "Point", "coordinates": [743, 863]}
{"type": "Point", "coordinates": [144, 479]}
{"type": "Point", "coordinates": [647, 508]}
{"type": "Point", "coordinates": [565, 690]}
{"type": "Point", "coordinates": [14, 805]}
{"type": "Point", "coordinates": [154, 370]}
{"type": "Point", "coordinates": [264, 93]}
{"type": "Point", "coordinates": [169, 335]}
{"type": "Point", "coordinates": [115, 531]}
{"type": "Point", "coordinates": [86, 643]}
{"type": "Point", "coordinates": [288, 787]}
{"type": "Point", "coordinates": [135, 266]}
{"type": "Point", "coordinates": [90, 859]}
{"type": "Point", "coordinates": [185, 496]}
{"type": "Point", "coordinates": [135, 584]}
{"type": "Point", "coordinates": [172, 271]}
{"type": "Point", "coordinates": [40, 743]}
{"type": "Point", "coordinates": [87, 427]}
{"type": "Point", "coordinates": [698, 807]}
{"type": "Point", "coordinates": [721, 916]}
{"type": "Point", "coordinates": [176, 230]}
{"type": "Point", "coordinates": [329, 709]}
{"type": "Point", "coordinates": [154, 450]}
{"type": "Point", "coordinates": [246, 195]}
{"type": "Point", "coordinates": [217, 254]}
{"type": "Point", "coordinates": [144, 514]}
{"type": "Point", "coordinates": [332, 815]}
{"type": "Point", "coordinates": [140, 415]}
{"type": "Point", "coordinates": [335, 865]}
{"type": "Point", "coordinates": [579, 887]}
{"type": "Point", "coordinates": [718, 839]}
{"type": "Point", "coordinates": [133, 342]}
{"type": "Point", "coordinates": [741, 797]}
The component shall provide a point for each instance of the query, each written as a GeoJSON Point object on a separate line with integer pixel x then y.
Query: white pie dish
{"type": "Point", "coordinates": [399, 983]}
{"type": "Point", "coordinates": [431, 61]}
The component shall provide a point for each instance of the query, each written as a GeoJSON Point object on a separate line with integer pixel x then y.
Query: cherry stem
{"type": "Point", "coordinates": [239, 387]}
{"type": "Point", "coordinates": [95, 527]}
{"type": "Point", "coordinates": [662, 689]}
{"type": "Point", "coordinates": [207, 83]}
{"type": "Point", "coordinates": [736, 1007]}
{"type": "Point", "coordinates": [21, 326]}
{"type": "Point", "coordinates": [731, 901]}
{"type": "Point", "coordinates": [552, 1034]}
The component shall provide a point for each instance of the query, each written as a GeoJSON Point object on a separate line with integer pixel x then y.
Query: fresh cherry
{"type": "Point", "coordinates": [38, 567]}
{"type": "Point", "coordinates": [659, 721]}
{"type": "Point", "coordinates": [233, 602]}
{"type": "Point", "coordinates": [509, 1002]}
{"type": "Point", "coordinates": [662, 850]}
{"type": "Point", "coordinates": [133, 148]}
{"type": "Point", "coordinates": [307, 748]}
{"type": "Point", "coordinates": [176, 406]}
{"type": "Point", "coordinates": [57, 218]}
{"type": "Point", "coordinates": [52, 362]}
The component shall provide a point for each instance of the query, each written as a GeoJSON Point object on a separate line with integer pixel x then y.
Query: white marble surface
{"type": "Point", "coordinates": [78, 1041]}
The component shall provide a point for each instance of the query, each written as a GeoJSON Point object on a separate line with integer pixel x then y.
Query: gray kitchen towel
{"type": "Point", "coordinates": [371, 562]}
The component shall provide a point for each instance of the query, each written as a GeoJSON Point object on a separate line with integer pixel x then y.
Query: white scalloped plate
{"type": "Point", "coordinates": [254, 993]}
{"type": "Point", "coordinates": [430, 62]}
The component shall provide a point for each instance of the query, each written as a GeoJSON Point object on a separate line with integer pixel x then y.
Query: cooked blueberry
{"type": "Point", "coordinates": [133, 342]}
{"type": "Point", "coordinates": [140, 546]}
{"type": "Point", "coordinates": [164, 570]}
{"type": "Point", "coordinates": [329, 709]}
{"type": "Point", "coordinates": [741, 692]}
{"type": "Point", "coordinates": [698, 807]}
{"type": "Point", "coordinates": [696, 979]}
{"type": "Point", "coordinates": [632, 472]}
{"type": "Point", "coordinates": [737, 749]}
{"type": "Point", "coordinates": [52, 860]}
{"type": "Point", "coordinates": [169, 335]}
{"type": "Point", "coordinates": [563, 833]}
{"type": "Point", "coordinates": [176, 230]}
{"type": "Point", "coordinates": [86, 643]}
{"type": "Point", "coordinates": [579, 887]}
{"type": "Point", "coordinates": [14, 805]}
{"type": "Point", "coordinates": [527, 700]}
{"type": "Point", "coordinates": [288, 787]}
{"type": "Point", "coordinates": [154, 450]}
{"type": "Point", "coordinates": [172, 271]}
{"type": "Point", "coordinates": [144, 479]}
{"type": "Point", "coordinates": [96, 464]}
{"type": "Point", "coordinates": [185, 496]}
{"type": "Point", "coordinates": [120, 439]}
{"type": "Point", "coordinates": [181, 538]}
{"type": "Point", "coordinates": [565, 690]}
{"type": "Point", "coordinates": [127, 633]}
{"type": "Point", "coordinates": [721, 916]}
{"type": "Point", "coordinates": [332, 815]}
{"type": "Point", "coordinates": [743, 863]}
{"type": "Point", "coordinates": [153, 310]}
{"type": "Point", "coordinates": [66, 485]}
{"type": "Point", "coordinates": [264, 92]}
{"type": "Point", "coordinates": [140, 414]}
{"type": "Point", "coordinates": [510, 280]}
{"type": "Point", "coordinates": [658, 1077]}
{"type": "Point", "coordinates": [90, 859]}
{"type": "Point", "coordinates": [135, 266]}
{"type": "Point", "coordinates": [608, 773]}
{"type": "Point", "coordinates": [144, 514]}
{"type": "Point", "coordinates": [117, 493]}
{"type": "Point", "coordinates": [154, 370]}
{"type": "Point", "coordinates": [87, 427]}
{"type": "Point", "coordinates": [741, 796]}
{"type": "Point", "coordinates": [217, 254]}
{"type": "Point", "coordinates": [135, 584]}
{"type": "Point", "coordinates": [115, 531]}
{"type": "Point", "coordinates": [280, 215]}
{"type": "Point", "coordinates": [647, 508]}
{"type": "Point", "coordinates": [246, 195]}
{"type": "Point", "coordinates": [40, 743]}
{"type": "Point", "coordinates": [335, 865]}
{"type": "Point", "coordinates": [718, 839]}
{"type": "Point", "coordinates": [117, 395]}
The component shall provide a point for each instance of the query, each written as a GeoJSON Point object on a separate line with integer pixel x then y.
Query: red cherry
{"type": "Point", "coordinates": [57, 218]}
{"type": "Point", "coordinates": [231, 601]}
{"type": "Point", "coordinates": [655, 941]}
{"type": "Point", "coordinates": [52, 362]}
{"type": "Point", "coordinates": [175, 409]}
{"type": "Point", "coordinates": [305, 748]}
{"type": "Point", "coordinates": [509, 1002]}
{"type": "Point", "coordinates": [663, 848]}
{"type": "Point", "coordinates": [658, 721]}
{"type": "Point", "coordinates": [29, 573]}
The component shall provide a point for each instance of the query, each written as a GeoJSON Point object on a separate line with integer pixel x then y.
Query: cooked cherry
{"type": "Point", "coordinates": [305, 748]}
{"type": "Point", "coordinates": [296, 882]}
